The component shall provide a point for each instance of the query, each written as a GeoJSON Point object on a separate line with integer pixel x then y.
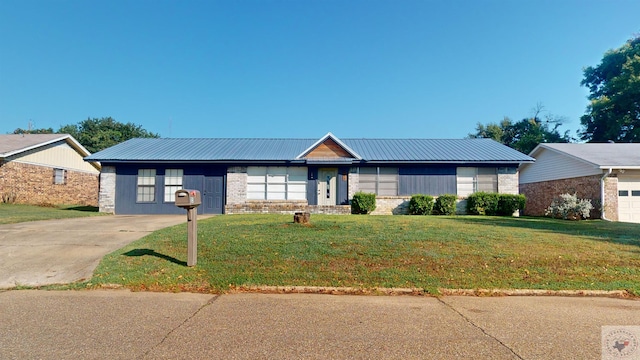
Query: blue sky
{"type": "Point", "coordinates": [293, 68]}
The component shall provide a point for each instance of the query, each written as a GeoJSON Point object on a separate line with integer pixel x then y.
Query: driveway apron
{"type": "Point", "coordinates": [64, 251]}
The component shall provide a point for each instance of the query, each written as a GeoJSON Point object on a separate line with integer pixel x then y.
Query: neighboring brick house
{"type": "Point", "coordinates": [47, 169]}
{"type": "Point", "coordinates": [140, 176]}
{"type": "Point", "coordinates": [608, 174]}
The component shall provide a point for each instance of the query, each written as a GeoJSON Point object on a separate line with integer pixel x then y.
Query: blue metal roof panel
{"type": "Point", "coordinates": [418, 150]}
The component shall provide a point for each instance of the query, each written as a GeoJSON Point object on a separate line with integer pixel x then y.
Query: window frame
{"type": "Point", "coordinates": [171, 184]}
{"type": "Point", "coordinates": [273, 183]}
{"type": "Point", "coordinates": [148, 177]}
{"type": "Point", "coordinates": [378, 178]}
{"type": "Point", "coordinates": [59, 176]}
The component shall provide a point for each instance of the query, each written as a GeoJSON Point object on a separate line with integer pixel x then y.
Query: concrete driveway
{"type": "Point", "coordinates": [63, 251]}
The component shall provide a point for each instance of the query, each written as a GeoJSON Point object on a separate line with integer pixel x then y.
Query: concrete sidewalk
{"type": "Point", "coordinates": [63, 251]}
{"type": "Point", "coordinates": [117, 324]}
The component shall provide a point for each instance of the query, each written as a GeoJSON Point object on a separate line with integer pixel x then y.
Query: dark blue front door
{"type": "Point", "coordinates": [213, 197]}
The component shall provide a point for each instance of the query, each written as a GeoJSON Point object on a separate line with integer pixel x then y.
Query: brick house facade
{"type": "Point", "coordinates": [46, 169]}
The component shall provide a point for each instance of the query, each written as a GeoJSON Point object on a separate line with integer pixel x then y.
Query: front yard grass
{"type": "Point", "coordinates": [366, 252]}
{"type": "Point", "coordinates": [16, 213]}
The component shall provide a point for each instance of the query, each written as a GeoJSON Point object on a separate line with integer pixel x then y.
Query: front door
{"type": "Point", "coordinates": [213, 196]}
{"type": "Point", "coordinates": [327, 186]}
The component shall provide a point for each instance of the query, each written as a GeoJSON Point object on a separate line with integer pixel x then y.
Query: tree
{"type": "Point", "coordinates": [614, 85]}
{"type": "Point", "coordinates": [98, 134]}
{"type": "Point", "coordinates": [33, 131]}
{"type": "Point", "coordinates": [525, 134]}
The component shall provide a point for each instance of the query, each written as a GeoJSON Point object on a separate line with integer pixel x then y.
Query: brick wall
{"type": "Point", "coordinates": [392, 205]}
{"type": "Point", "coordinates": [33, 184]}
{"type": "Point", "coordinates": [508, 181]}
{"type": "Point", "coordinates": [283, 207]}
{"type": "Point", "coordinates": [107, 194]}
{"type": "Point", "coordinates": [236, 185]}
{"type": "Point", "coordinates": [541, 194]}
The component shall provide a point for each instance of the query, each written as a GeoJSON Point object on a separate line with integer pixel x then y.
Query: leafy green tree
{"type": "Point", "coordinates": [614, 85]}
{"type": "Point", "coordinates": [525, 134]}
{"type": "Point", "coordinates": [33, 131]}
{"type": "Point", "coordinates": [98, 134]}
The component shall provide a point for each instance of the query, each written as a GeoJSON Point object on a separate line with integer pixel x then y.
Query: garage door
{"type": "Point", "coordinates": [629, 199]}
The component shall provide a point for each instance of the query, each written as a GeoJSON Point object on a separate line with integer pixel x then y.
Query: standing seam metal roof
{"type": "Point", "coordinates": [221, 149]}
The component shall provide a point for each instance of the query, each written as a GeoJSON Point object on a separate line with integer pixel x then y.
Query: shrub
{"type": "Point", "coordinates": [421, 204]}
{"type": "Point", "coordinates": [509, 204]}
{"type": "Point", "coordinates": [483, 203]}
{"type": "Point", "coordinates": [363, 203]}
{"type": "Point", "coordinates": [445, 205]}
{"type": "Point", "coordinates": [569, 207]}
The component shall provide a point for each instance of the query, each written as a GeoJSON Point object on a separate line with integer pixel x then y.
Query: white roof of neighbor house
{"type": "Point", "coordinates": [14, 144]}
{"type": "Point", "coordinates": [602, 155]}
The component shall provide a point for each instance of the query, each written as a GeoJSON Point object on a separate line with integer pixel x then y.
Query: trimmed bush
{"type": "Point", "coordinates": [569, 207]}
{"type": "Point", "coordinates": [445, 205]}
{"type": "Point", "coordinates": [509, 204]}
{"type": "Point", "coordinates": [421, 204]}
{"type": "Point", "coordinates": [363, 203]}
{"type": "Point", "coordinates": [483, 203]}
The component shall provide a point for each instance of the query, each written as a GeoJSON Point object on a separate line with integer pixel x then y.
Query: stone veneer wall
{"type": "Point", "coordinates": [283, 207]}
{"type": "Point", "coordinates": [236, 185]}
{"type": "Point", "coordinates": [33, 184]}
{"type": "Point", "coordinates": [541, 194]}
{"type": "Point", "coordinates": [508, 181]}
{"type": "Point", "coordinates": [107, 194]}
{"type": "Point", "coordinates": [392, 205]}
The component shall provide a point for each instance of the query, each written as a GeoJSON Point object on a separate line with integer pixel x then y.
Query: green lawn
{"type": "Point", "coordinates": [366, 252]}
{"type": "Point", "coordinates": [13, 213]}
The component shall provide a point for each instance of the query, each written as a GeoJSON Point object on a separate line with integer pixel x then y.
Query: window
{"type": "Point", "coordinates": [635, 192]}
{"type": "Point", "coordinates": [146, 185]}
{"type": "Point", "coordinates": [623, 193]}
{"type": "Point", "coordinates": [59, 176]}
{"type": "Point", "coordinates": [276, 183]}
{"type": "Point", "coordinates": [381, 181]}
{"type": "Point", "coordinates": [470, 180]}
{"type": "Point", "coordinates": [172, 183]}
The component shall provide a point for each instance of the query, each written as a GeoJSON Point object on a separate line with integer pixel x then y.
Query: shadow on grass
{"type": "Point", "coordinates": [83, 208]}
{"type": "Point", "coordinates": [150, 252]}
{"type": "Point", "coordinates": [615, 232]}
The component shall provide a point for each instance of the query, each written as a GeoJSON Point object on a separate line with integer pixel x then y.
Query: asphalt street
{"type": "Point", "coordinates": [118, 324]}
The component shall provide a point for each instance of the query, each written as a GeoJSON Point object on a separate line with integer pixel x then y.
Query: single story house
{"type": "Point", "coordinates": [608, 174]}
{"type": "Point", "coordinates": [140, 176]}
{"type": "Point", "coordinates": [46, 169]}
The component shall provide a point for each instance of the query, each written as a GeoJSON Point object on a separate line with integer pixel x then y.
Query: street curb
{"type": "Point", "coordinates": [422, 292]}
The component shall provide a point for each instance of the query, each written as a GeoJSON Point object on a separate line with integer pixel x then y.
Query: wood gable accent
{"type": "Point", "coordinates": [329, 149]}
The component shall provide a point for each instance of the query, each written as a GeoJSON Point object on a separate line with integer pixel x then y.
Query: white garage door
{"type": "Point", "coordinates": [629, 199]}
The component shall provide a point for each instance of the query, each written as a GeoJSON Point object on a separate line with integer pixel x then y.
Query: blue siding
{"type": "Point", "coordinates": [427, 180]}
{"type": "Point", "coordinates": [126, 187]}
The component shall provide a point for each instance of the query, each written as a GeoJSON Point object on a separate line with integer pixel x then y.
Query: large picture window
{"type": "Point", "coordinates": [471, 179]}
{"type": "Point", "coordinates": [172, 183]}
{"type": "Point", "coordinates": [146, 185]}
{"type": "Point", "coordinates": [381, 181]}
{"type": "Point", "coordinates": [276, 183]}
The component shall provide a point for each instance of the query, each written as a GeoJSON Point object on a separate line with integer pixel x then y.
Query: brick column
{"type": "Point", "coordinates": [107, 194]}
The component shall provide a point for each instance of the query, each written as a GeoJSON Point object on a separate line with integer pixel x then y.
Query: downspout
{"type": "Point", "coordinates": [602, 197]}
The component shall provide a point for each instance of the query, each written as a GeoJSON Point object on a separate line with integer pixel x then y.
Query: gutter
{"type": "Point", "coordinates": [602, 197]}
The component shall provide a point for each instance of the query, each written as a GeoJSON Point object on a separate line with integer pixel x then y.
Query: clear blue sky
{"type": "Point", "coordinates": [302, 68]}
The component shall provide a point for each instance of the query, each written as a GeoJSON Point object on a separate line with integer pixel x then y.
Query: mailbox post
{"type": "Point", "coordinates": [190, 200]}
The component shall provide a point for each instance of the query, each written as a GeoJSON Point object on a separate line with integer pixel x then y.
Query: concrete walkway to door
{"type": "Point", "coordinates": [63, 251]}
